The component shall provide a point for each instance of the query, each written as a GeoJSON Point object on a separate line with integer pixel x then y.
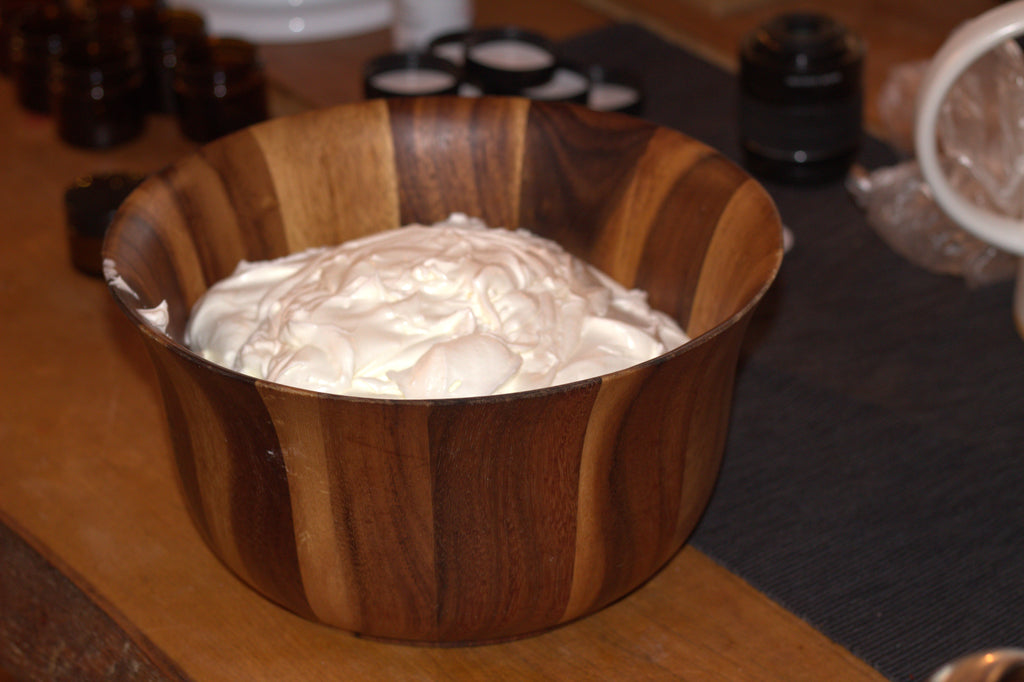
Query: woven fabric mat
{"type": "Point", "coordinates": [873, 474]}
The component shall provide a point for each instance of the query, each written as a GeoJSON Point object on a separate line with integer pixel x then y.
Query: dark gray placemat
{"type": "Point", "coordinates": [872, 475]}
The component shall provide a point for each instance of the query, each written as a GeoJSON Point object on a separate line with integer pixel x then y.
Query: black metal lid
{"type": "Point", "coordinates": [506, 60]}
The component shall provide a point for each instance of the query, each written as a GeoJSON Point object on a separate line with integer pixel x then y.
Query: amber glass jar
{"type": "Point", "coordinates": [220, 87]}
{"type": "Point", "coordinates": [39, 37]}
{"type": "Point", "coordinates": [90, 204]}
{"type": "Point", "coordinates": [10, 13]}
{"type": "Point", "coordinates": [162, 36]}
{"type": "Point", "coordinates": [95, 89]}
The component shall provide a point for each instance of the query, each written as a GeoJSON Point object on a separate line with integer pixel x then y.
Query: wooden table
{"type": "Point", "coordinates": [102, 575]}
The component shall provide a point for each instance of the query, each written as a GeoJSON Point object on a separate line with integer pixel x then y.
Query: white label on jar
{"type": "Point", "coordinates": [412, 81]}
{"type": "Point", "coordinates": [512, 55]}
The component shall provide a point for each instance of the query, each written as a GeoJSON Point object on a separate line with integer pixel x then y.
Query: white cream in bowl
{"type": "Point", "coordinates": [456, 309]}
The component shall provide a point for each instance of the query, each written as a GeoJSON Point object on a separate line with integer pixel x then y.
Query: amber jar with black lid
{"type": "Point", "coordinates": [39, 37]}
{"type": "Point", "coordinates": [95, 88]}
{"type": "Point", "coordinates": [10, 14]}
{"type": "Point", "coordinates": [162, 35]}
{"type": "Point", "coordinates": [220, 86]}
{"type": "Point", "coordinates": [507, 59]}
{"type": "Point", "coordinates": [90, 205]}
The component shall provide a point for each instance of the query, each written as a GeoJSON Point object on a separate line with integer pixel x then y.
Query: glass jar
{"type": "Point", "coordinates": [37, 42]}
{"type": "Point", "coordinates": [10, 13]}
{"type": "Point", "coordinates": [220, 86]}
{"type": "Point", "coordinates": [95, 89]}
{"type": "Point", "coordinates": [162, 36]}
{"type": "Point", "coordinates": [89, 205]}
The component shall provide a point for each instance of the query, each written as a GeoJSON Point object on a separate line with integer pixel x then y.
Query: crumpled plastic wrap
{"type": "Point", "coordinates": [981, 143]}
{"type": "Point", "coordinates": [900, 207]}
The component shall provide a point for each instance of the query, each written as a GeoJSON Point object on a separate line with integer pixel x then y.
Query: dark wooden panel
{"type": "Point", "coordinates": [50, 629]}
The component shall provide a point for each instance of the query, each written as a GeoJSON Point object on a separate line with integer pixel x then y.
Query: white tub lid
{"type": "Point", "coordinates": [290, 21]}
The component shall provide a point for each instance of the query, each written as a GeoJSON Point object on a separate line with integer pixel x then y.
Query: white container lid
{"type": "Point", "coordinates": [291, 21]}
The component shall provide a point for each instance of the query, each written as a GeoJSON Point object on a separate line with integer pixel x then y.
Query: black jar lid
{"type": "Point", "coordinates": [90, 204]}
{"type": "Point", "coordinates": [615, 90]}
{"type": "Point", "coordinates": [568, 83]}
{"type": "Point", "coordinates": [506, 60]}
{"type": "Point", "coordinates": [450, 46]}
{"type": "Point", "coordinates": [410, 74]}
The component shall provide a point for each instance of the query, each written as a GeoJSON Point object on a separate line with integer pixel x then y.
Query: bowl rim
{"type": "Point", "coordinates": [123, 294]}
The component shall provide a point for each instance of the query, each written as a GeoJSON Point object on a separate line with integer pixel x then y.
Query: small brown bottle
{"type": "Point", "coordinates": [220, 87]}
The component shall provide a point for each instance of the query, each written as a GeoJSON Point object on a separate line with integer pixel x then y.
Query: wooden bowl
{"type": "Point", "coordinates": [458, 520]}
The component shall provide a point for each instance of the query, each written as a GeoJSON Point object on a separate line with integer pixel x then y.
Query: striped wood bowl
{"type": "Point", "coordinates": [459, 520]}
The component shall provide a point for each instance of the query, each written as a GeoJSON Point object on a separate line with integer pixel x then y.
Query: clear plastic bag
{"type": "Point", "coordinates": [900, 208]}
{"type": "Point", "coordinates": [981, 142]}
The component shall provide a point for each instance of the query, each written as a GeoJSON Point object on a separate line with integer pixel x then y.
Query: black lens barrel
{"type": "Point", "coordinates": [801, 98]}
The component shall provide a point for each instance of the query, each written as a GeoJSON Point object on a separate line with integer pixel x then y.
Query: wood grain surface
{"type": "Point", "coordinates": [67, 631]}
{"type": "Point", "coordinates": [88, 486]}
{"type": "Point", "coordinates": [453, 520]}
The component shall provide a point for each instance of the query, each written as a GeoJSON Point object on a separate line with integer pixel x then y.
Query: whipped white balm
{"type": "Point", "coordinates": [451, 310]}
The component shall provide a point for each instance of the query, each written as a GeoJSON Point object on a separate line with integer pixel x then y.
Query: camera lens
{"type": "Point", "coordinates": [801, 98]}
